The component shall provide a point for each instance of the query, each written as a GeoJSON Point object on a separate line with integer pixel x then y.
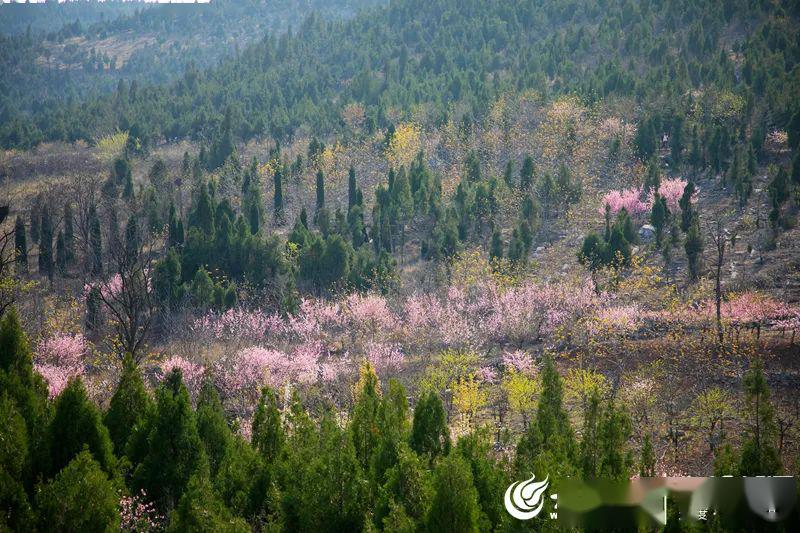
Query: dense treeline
{"type": "Point", "coordinates": [440, 53]}
{"type": "Point", "coordinates": [150, 461]}
{"type": "Point", "coordinates": [86, 55]}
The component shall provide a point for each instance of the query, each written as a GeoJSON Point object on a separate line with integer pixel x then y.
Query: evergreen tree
{"type": "Point", "coordinates": [268, 436]}
{"type": "Point", "coordinates": [796, 169]}
{"type": "Point", "coordinates": [201, 510]}
{"type": "Point", "coordinates": [61, 253]}
{"type": "Point", "coordinates": [364, 425]}
{"type": "Point", "coordinates": [14, 462]}
{"type": "Point", "coordinates": [95, 245]}
{"type": "Point", "coordinates": [77, 424]}
{"type": "Point", "coordinates": [212, 427]}
{"type": "Point", "coordinates": [174, 451]}
{"type": "Point", "coordinates": [36, 220]}
{"type": "Point", "coordinates": [488, 475]}
{"type": "Point", "coordinates": [549, 443]}
{"type": "Point", "coordinates": [613, 434]}
{"type": "Point", "coordinates": [430, 435]}
{"type": "Point", "coordinates": [472, 167]}
{"type": "Point", "coordinates": [81, 497]}
{"type": "Point", "coordinates": [128, 407]}
{"type": "Point", "coordinates": [69, 235]}
{"type": "Point", "coordinates": [46, 244]}
{"type": "Point", "coordinates": [527, 174]}
{"type": "Point", "coordinates": [392, 429]}
{"type": "Point", "coordinates": [278, 194]}
{"type": "Point", "coordinates": [202, 216]}
{"type": "Point", "coordinates": [320, 190]}
{"type": "Point", "coordinates": [20, 246]}
{"type": "Point", "coordinates": [694, 248]}
{"type": "Point", "coordinates": [647, 460]}
{"type": "Point", "coordinates": [759, 456]}
{"type": "Point", "coordinates": [455, 505]}
{"type": "Point", "coordinates": [685, 203]}
{"type": "Point", "coordinates": [352, 189]}
{"type": "Point", "coordinates": [174, 228]}
{"type": "Point", "coordinates": [496, 248]}
{"type": "Point", "coordinates": [658, 217]}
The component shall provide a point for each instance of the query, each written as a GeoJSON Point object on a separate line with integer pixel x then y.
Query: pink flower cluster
{"type": "Point", "coordinates": [385, 357]}
{"type": "Point", "coordinates": [192, 372]}
{"type": "Point", "coordinates": [636, 203]}
{"type": "Point", "coordinates": [137, 514]}
{"type": "Point", "coordinates": [518, 361]}
{"type": "Point", "coordinates": [240, 324]}
{"type": "Point", "coordinates": [59, 359]}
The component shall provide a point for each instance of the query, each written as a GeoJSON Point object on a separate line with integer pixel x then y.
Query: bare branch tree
{"type": "Point", "coordinates": [127, 293]}
{"type": "Point", "coordinates": [719, 235]}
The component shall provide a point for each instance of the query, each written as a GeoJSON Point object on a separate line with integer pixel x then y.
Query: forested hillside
{"type": "Point", "coordinates": [364, 274]}
{"type": "Point", "coordinates": [84, 56]}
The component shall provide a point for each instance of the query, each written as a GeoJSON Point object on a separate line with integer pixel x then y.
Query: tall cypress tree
{"type": "Point", "coordinates": [268, 436]}
{"type": "Point", "coordinates": [365, 415]}
{"type": "Point", "coordinates": [455, 502]}
{"type": "Point", "coordinates": [352, 189]}
{"type": "Point", "coordinates": [212, 427]}
{"type": "Point", "coordinates": [202, 215]}
{"type": "Point", "coordinates": [694, 247]}
{"type": "Point", "coordinates": [69, 235]}
{"type": "Point", "coordinates": [278, 198]}
{"type": "Point", "coordinates": [526, 174]}
{"type": "Point", "coordinates": [61, 253]}
{"type": "Point", "coordinates": [95, 244]}
{"type": "Point", "coordinates": [174, 451]}
{"type": "Point", "coordinates": [46, 244]}
{"type": "Point", "coordinates": [429, 432]}
{"type": "Point", "coordinates": [320, 190]}
{"type": "Point", "coordinates": [21, 245]}
{"type": "Point", "coordinates": [759, 456]}
{"type": "Point", "coordinates": [128, 407]}
{"type": "Point", "coordinates": [76, 424]}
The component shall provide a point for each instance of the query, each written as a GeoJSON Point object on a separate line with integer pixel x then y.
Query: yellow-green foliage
{"type": "Point", "coordinates": [111, 146]}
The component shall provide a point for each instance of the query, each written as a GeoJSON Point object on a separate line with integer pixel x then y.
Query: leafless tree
{"type": "Point", "coordinates": [7, 257]}
{"type": "Point", "coordinates": [128, 296]}
{"type": "Point", "coordinates": [719, 236]}
{"type": "Point", "coordinates": [85, 194]}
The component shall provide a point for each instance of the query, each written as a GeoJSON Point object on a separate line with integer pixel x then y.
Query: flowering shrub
{"type": "Point", "coordinates": [192, 373]}
{"type": "Point", "coordinates": [635, 202]}
{"type": "Point", "coordinates": [59, 359]}
{"type": "Point", "coordinates": [136, 513]}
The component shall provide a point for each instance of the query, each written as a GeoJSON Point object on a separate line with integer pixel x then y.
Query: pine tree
{"type": "Point", "coordinates": [488, 474]}
{"type": "Point", "coordinates": [21, 246]}
{"type": "Point", "coordinates": [77, 424]}
{"type": "Point", "coordinates": [613, 433]}
{"type": "Point", "coordinates": [95, 244]}
{"type": "Point", "coordinates": [61, 253]}
{"type": "Point", "coordinates": [694, 248]}
{"type": "Point", "coordinates": [796, 169]}
{"type": "Point", "coordinates": [352, 189]}
{"type": "Point", "coordinates": [14, 462]}
{"type": "Point", "coordinates": [393, 429]}
{"type": "Point", "coordinates": [202, 216]}
{"type": "Point", "coordinates": [128, 407]}
{"type": "Point", "coordinates": [527, 174]}
{"type": "Point", "coordinates": [685, 203]}
{"type": "Point", "coordinates": [46, 244]}
{"type": "Point", "coordinates": [81, 497]}
{"type": "Point", "coordinates": [759, 456]}
{"type": "Point", "coordinates": [658, 216]}
{"type": "Point", "coordinates": [364, 425]}
{"type": "Point", "coordinates": [430, 435]}
{"type": "Point", "coordinates": [174, 451]}
{"type": "Point", "coordinates": [69, 235]}
{"type": "Point", "coordinates": [320, 190]}
{"type": "Point", "coordinates": [647, 460]}
{"type": "Point", "coordinates": [549, 443]}
{"type": "Point", "coordinates": [278, 195]}
{"type": "Point", "coordinates": [212, 427]}
{"type": "Point", "coordinates": [268, 436]}
{"type": "Point", "coordinates": [200, 509]}
{"type": "Point", "coordinates": [455, 505]}
{"type": "Point", "coordinates": [496, 248]}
